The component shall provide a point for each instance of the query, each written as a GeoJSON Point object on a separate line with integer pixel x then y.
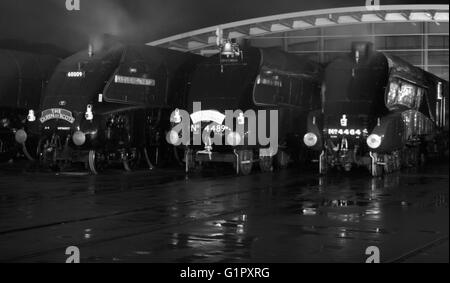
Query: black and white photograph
{"type": "Point", "coordinates": [221, 138]}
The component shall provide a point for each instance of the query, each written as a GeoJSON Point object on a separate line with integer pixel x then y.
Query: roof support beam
{"type": "Point", "coordinates": [200, 38]}
{"type": "Point", "coordinates": [245, 30]}
{"type": "Point", "coordinates": [178, 45]}
{"type": "Point", "coordinates": [357, 16]}
{"type": "Point", "coordinates": [333, 18]}
{"type": "Point", "coordinates": [264, 26]}
{"type": "Point", "coordinates": [406, 15]}
{"type": "Point", "coordinates": [309, 20]}
{"type": "Point", "coordinates": [287, 23]}
{"type": "Point", "coordinates": [381, 15]}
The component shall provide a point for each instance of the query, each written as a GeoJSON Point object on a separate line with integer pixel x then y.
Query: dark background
{"type": "Point", "coordinates": [48, 21]}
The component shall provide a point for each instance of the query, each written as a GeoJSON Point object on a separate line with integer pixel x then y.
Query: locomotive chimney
{"type": "Point", "coordinates": [361, 50]}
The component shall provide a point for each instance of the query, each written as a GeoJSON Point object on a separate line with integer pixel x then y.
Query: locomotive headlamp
{"type": "Point", "coordinates": [31, 116]}
{"type": "Point", "coordinates": [310, 139]}
{"type": "Point", "coordinates": [89, 115]}
{"type": "Point", "coordinates": [79, 138]}
{"type": "Point", "coordinates": [173, 137]}
{"type": "Point", "coordinates": [21, 136]}
{"type": "Point", "coordinates": [234, 138]}
{"type": "Point", "coordinates": [374, 141]}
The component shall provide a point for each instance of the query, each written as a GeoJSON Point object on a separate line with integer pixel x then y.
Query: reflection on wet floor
{"type": "Point", "coordinates": [164, 216]}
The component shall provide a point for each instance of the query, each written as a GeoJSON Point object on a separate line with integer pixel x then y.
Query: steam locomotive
{"type": "Point", "coordinates": [247, 95]}
{"type": "Point", "coordinates": [23, 77]}
{"type": "Point", "coordinates": [378, 111]}
{"type": "Point", "coordinates": [106, 105]}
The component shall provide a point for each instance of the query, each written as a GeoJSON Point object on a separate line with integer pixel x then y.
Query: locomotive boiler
{"type": "Point", "coordinates": [378, 111]}
{"type": "Point", "coordinates": [239, 97]}
{"type": "Point", "coordinates": [23, 77]}
{"type": "Point", "coordinates": [107, 106]}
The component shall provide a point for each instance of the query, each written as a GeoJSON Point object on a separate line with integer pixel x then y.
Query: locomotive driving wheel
{"type": "Point", "coordinates": [96, 162]}
{"type": "Point", "coordinates": [245, 161]}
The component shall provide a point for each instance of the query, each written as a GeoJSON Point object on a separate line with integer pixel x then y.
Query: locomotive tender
{"type": "Point", "coordinates": [108, 106]}
{"type": "Point", "coordinates": [23, 77]}
{"type": "Point", "coordinates": [378, 111]}
{"type": "Point", "coordinates": [251, 80]}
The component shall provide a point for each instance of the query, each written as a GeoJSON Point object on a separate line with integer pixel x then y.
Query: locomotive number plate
{"type": "Point", "coordinates": [57, 113]}
{"type": "Point", "coordinates": [216, 128]}
{"type": "Point", "coordinates": [347, 132]}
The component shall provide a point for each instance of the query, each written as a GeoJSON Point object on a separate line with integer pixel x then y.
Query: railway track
{"type": "Point", "coordinates": [190, 203]}
{"type": "Point", "coordinates": [416, 251]}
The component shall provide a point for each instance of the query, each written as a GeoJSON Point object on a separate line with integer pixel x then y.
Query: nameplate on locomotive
{"type": "Point", "coordinates": [134, 81]}
{"type": "Point", "coordinates": [207, 115]}
{"type": "Point", "coordinates": [57, 113]}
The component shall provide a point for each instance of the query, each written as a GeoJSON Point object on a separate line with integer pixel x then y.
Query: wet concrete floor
{"type": "Point", "coordinates": [163, 216]}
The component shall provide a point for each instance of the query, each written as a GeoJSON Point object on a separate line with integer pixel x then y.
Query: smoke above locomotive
{"type": "Point", "coordinates": [23, 77]}
{"type": "Point", "coordinates": [247, 106]}
{"type": "Point", "coordinates": [378, 111]}
{"type": "Point", "coordinates": [105, 105]}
